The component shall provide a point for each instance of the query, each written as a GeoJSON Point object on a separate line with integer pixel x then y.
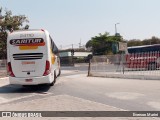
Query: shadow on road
{"type": "Point", "coordinates": [28, 89]}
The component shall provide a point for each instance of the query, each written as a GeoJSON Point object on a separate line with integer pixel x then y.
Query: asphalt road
{"type": "Point", "coordinates": [127, 94]}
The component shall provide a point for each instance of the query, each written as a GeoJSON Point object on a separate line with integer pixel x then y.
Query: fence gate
{"type": "Point", "coordinates": [144, 65]}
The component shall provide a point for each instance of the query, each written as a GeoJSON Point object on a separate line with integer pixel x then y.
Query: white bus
{"type": "Point", "coordinates": [32, 57]}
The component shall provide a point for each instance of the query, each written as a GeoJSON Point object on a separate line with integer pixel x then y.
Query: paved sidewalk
{"type": "Point", "coordinates": [124, 76]}
{"type": "Point", "coordinates": [58, 103]}
{"type": "Point", "coordinates": [64, 103]}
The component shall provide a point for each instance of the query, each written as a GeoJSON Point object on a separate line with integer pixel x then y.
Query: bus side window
{"type": "Point", "coordinates": [55, 50]}
{"type": "Point", "coordinates": [53, 47]}
{"type": "Point", "coordinates": [51, 43]}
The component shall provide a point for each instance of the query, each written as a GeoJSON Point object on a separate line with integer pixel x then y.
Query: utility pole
{"type": "Point", "coordinates": [80, 45]}
{"type": "Point", "coordinates": [72, 46]}
{"type": "Point", "coordinates": [72, 54]}
{"type": "Point", "coordinates": [116, 28]}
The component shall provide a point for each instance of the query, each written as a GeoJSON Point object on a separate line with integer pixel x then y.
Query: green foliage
{"type": "Point", "coordinates": [102, 44]}
{"type": "Point", "coordinates": [153, 40]}
{"type": "Point", "coordinates": [8, 23]}
{"type": "Point", "coordinates": [134, 43]}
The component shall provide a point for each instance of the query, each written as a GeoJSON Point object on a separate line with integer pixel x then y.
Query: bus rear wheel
{"type": "Point", "coordinates": [54, 81]}
{"type": "Point", "coordinates": [59, 72]}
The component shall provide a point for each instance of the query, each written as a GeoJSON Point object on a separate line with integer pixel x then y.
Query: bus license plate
{"type": "Point", "coordinates": [29, 80]}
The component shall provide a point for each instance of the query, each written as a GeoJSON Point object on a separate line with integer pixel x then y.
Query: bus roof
{"type": "Point", "coordinates": [144, 48]}
{"type": "Point", "coordinates": [23, 30]}
{"type": "Point", "coordinates": [26, 33]}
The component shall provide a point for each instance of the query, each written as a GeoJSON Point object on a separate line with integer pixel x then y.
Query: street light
{"type": "Point", "coordinates": [116, 28]}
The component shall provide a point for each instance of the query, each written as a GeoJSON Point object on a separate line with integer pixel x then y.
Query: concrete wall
{"type": "Point", "coordinates": [76, 54]}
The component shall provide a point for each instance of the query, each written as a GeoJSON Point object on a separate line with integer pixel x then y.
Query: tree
{"type": "Point", "coordinates": [102, 44]}
{"type": "Point", "coordinates": [8, 23]}
{"type": "Point", "coordinates": [153, 40]}
{"type": "Point", "coordinates": [135, 42]}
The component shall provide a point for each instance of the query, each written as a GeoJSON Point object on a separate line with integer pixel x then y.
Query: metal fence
{"type": "Point", "coordinates": [136, 65]}
{"type": "Point", "coordinates": [3, 68]}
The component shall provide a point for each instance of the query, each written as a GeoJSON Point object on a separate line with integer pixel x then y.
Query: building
{"type": "Point", "coordinates": [69, 57]}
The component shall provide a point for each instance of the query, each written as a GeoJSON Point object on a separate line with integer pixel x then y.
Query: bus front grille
{"type": "Point", "coordinates": [28, 56]}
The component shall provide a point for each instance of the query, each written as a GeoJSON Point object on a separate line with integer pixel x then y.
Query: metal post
{"type": "Point", "coordinates": [89, 67]}
{"type": "Point", "coordinates": [123, 61]}
{"type": "Point", "coordinates": [72, 55]}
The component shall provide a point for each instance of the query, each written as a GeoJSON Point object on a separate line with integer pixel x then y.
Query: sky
{"type": "Point", "coordinates": [72, 21]}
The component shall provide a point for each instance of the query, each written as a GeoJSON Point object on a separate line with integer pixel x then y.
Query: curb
{"type": "Point", "coordinates": [4, 78]}
{"type": "Point", "coordinates": [139, 77]}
